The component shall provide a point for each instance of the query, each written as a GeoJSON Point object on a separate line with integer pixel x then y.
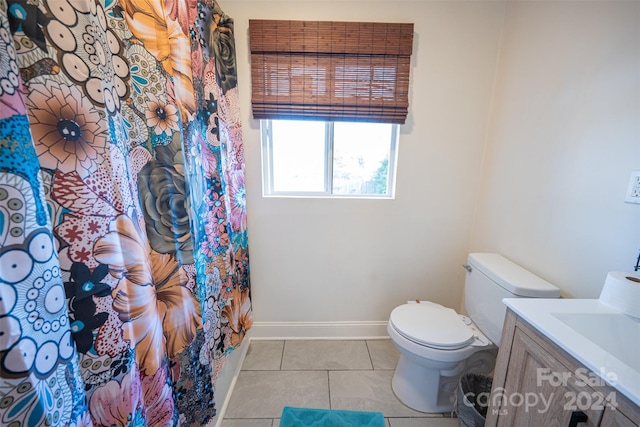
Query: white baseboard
{"type": "Point", "coordinates": [320, 330]}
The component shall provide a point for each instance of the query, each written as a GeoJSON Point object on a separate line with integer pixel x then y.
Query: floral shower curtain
{"type": "Point", "coordinates": [124, 270]}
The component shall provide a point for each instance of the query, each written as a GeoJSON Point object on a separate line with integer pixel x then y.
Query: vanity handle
{"type": "Point", "coordinates": [577, 417]}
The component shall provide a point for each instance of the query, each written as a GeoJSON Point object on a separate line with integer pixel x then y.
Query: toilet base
{"type": "Point", "coordinates": [429, 386]}
{"type": "Point", "coordinates": [424, 389]}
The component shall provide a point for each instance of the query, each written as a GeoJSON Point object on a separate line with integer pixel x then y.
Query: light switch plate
{"type": "Point", "coordinates": [633, 191]}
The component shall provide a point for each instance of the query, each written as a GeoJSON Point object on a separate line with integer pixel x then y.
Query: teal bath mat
{"type": "Point", "coordinates": [308, 417]}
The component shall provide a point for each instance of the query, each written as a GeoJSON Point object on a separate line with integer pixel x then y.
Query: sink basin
{"type": "Point", "coordinates": [618, 334]}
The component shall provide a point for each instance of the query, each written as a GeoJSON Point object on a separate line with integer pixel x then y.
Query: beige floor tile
{"type": "Point", "coordinates": [263, 394]}
{"type": "Point", "coordinates": [263, 355]}
{"type": "Point", "coordinates": [384, 354]}
{"type": "Point", "coordinates": [423, 422]}
{"type": "Point", "coordinates": [325, 354]}
{"type": "Point", "coordinates": [368, 391]}
{"type": "Point", "coordinates": [264, 422]}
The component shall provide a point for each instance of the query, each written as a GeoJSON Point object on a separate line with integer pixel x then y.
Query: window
{"type": "Point", "coordinates": [314, 158]}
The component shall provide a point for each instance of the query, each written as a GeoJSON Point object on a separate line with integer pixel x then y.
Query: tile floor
{"type": "Point", "coordinates": [335, 374]}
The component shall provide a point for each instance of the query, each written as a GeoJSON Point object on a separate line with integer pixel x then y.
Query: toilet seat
{"type": "Point", "coordinates": [431, 325]}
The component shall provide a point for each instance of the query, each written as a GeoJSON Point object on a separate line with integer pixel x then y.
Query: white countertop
{"type": "Point", "coordinates": [605, 341]}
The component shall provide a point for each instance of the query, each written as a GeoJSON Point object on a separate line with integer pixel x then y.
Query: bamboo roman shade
{"type": "Point", "coordinates": [333, 71]}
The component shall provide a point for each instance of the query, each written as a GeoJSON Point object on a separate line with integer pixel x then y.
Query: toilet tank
{"type": "Point", "coordinates": [490, 278]}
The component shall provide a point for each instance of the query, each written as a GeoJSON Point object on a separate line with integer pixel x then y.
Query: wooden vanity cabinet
{"type": "Point", "coordinates": [536, 383]}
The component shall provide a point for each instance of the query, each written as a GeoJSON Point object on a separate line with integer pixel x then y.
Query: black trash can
{"type": "Point", "coordinates": [474, 391]}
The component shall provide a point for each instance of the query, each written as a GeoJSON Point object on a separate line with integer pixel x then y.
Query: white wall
{"type": "Point", "coordinates": [564, 137]}
{"type": "Point", "coordinates": [551, 89]}
{"type": "Point", "coordinates": [337, 260]}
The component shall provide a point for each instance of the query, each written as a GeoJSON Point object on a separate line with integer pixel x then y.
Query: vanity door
{"type": "Point", "coordinates": [541, 391]}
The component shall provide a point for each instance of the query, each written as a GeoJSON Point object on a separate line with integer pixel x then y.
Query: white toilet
{"type": "Point", "coordinates": [438, 345]}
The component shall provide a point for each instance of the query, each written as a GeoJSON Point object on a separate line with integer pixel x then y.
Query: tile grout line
{"type": "Point", "coordinates": [329, 387]}
{"type": "Point", "coordinates": [366, 343]}
{"type": "Point", "coordinates": [284, 342]}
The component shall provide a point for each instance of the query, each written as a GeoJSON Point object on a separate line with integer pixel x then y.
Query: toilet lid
{"type": "Point", "coordinates": [431, 325]}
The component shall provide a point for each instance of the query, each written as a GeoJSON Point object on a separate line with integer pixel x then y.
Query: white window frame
{"type": "Point", "coordinates": [267, 167]}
